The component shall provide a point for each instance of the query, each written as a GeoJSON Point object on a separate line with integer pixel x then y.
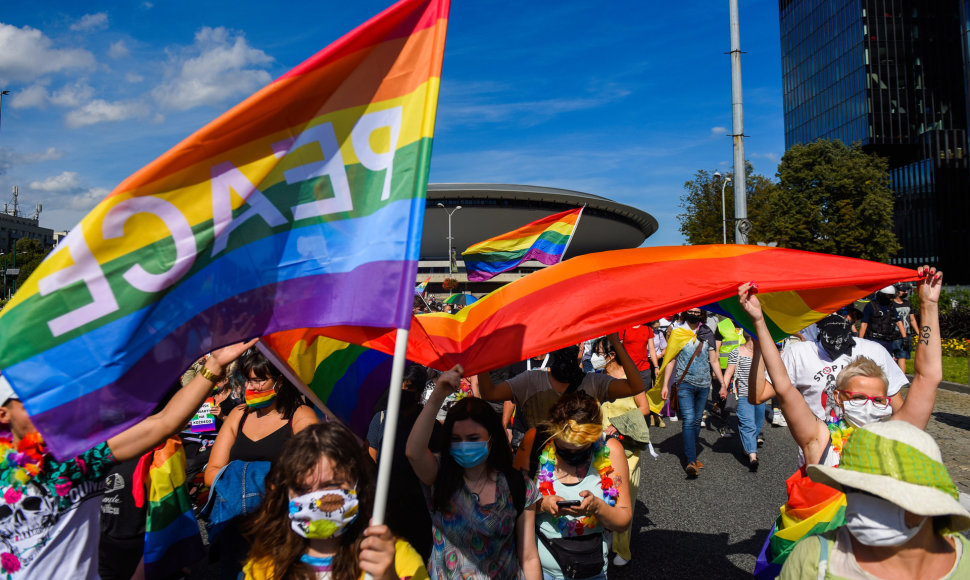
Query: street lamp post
{"type": "Point", "coordinates": [450, 239]}
{"type": "Point", "coordinates": [726, 181]}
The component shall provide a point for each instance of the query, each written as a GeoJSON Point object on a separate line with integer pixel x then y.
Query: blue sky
{"type": "Point", "coordinates": [621, 99]}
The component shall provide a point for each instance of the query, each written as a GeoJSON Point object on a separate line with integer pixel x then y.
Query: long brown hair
{"type": "Point", "coordinates": [269, 533]}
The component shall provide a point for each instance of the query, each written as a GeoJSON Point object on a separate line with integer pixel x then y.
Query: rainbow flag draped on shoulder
{"type": "Point", "coordinates": [300, 207]}
{"type": "Point", "coordinates": [544, 240]}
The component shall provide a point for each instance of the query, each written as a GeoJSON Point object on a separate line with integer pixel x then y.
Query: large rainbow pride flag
{"type": "Point", "coordinates": [300, 207]}
{"type": "Point", "coordinates": [595, 294]}
{"type": "Point", "coordinates": [346, 378]}
{"type": "Point", "coordinates": [544, 240]}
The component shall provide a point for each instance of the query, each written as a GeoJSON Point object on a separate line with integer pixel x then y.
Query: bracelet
{"type": "Point", "coordinates": [209, 375]}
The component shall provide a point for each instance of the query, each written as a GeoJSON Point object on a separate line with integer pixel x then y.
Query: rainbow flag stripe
{"type": "Point", "coordinates": [301, 206]}
{"type": "Point", "coordinates": [812, 508]}
{"type": "Point", "coordinates": [172, 538]}
{"type": "Point", "coordinates": [544, 240]}
{"type": "Point", "coordinates": [595, 294]}
{"type": "Point", "coordinates": [347, 378]}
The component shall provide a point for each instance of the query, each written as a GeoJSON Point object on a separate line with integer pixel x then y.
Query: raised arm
{"type": "Point", "coordinates": [422, 460]}
{"type": "Point", "coordinates": [928, 363]}
{"type": "Point", "coordinates": [809, 433]}
{"type": "Point", "coordinates": [632, 385]}
{"type": "Point", "coordinates": [144, 436]}
{"type": "Point", "coordinates": [493, 392]}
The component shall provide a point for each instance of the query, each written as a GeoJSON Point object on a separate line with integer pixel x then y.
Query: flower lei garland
{"type": "Point", "coordinates": [839, 431]}
{"type": "Point", "coordinates": [569, 526]}
{"type": "Point", "coordinates": [20, 465]}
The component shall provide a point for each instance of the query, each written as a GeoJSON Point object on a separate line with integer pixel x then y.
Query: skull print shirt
{"type": "Point", "coordinates": [48, 522]}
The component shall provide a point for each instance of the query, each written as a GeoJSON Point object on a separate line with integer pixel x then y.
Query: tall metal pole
{"type": "Point", "coordinates": [741, 224]}
{"type": "Point", "coordinates": [727, 180]}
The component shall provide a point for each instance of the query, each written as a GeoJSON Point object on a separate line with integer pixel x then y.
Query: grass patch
{"type": "Point", "coordinates": [955, 369]}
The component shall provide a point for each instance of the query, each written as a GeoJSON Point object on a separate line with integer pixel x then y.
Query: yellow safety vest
{"type": "Point", "coordinates": [730, 340]}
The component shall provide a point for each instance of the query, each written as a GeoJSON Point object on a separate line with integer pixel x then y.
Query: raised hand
{"type": "Point", "coordinates": [449, 380]}
{"type": "Point", "coordinates": [749, 301]}
{"type": "Point", "coordinates": [930, 285]}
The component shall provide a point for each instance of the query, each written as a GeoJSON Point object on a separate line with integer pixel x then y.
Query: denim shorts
{"type": "Point", "coordinates": [901, 348]}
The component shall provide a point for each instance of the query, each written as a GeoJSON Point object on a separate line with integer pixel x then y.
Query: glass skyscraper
{"type": "Point", "coordinates": [891, 75]}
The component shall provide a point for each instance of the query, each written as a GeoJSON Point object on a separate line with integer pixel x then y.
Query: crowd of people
{"type": "Point", "coordinates": [531, 471]}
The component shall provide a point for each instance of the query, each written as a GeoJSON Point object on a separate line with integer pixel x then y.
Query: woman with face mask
{"type": "Point", "coordinates": [585, 489]}
{"type": "Point", "coordinates": [314, 520]}
{"type": "Point", "coordinates": [902, 512]}
{"type": "Point", "coordinates": [253, 432]}
{"type": "Point", "coordinates": [482, 510]}
{"type": "Point", "coordinates": [859, 394]}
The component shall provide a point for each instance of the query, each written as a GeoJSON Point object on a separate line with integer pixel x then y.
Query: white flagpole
{"type": "Point", "coordinates": [390, 426]}
{"type": "Point", "coordinates": [570, 240]}
{"type": "Point", "coordinates": [284, 368]}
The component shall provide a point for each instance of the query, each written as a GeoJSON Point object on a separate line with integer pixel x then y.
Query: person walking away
{"type": "Point", "coordinates": [903, 345]}
{"type": "Point", "coordinates": [750, 417]}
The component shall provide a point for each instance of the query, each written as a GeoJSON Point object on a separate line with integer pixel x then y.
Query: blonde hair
{"type": "Point", "coordinates": [861, 367]}
{"type": "Point", "coordinates": [579, 433]}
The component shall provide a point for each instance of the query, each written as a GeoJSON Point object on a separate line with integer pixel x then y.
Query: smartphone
{"type": "Point", "coordinates": [568, 504]}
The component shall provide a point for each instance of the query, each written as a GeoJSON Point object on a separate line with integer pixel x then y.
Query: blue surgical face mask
{"type": "Point", "coordinates": [469, 453]}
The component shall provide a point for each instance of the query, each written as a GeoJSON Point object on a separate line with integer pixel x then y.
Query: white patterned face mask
{"type": "Point", "coordinates": [323, 514]}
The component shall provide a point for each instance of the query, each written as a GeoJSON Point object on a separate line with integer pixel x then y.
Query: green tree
{"type": "Point", "coordinates": [700, 223]}
{"type": "Point", "coordinates": [30, 253]}
{"type": "Point", "coordinates": [834, 199]}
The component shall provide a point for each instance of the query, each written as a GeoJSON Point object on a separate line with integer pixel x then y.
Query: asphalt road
{"type": "Point", "coordinates": [712, 526]}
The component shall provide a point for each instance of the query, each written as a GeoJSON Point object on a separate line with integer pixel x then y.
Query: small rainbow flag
{"type": "Point", "coordinates": [579, 299]}
{"type": "Point", "coordinates": [347, 378]}
{"type": "Point", "coordinates": [172, 538]}
{"type": "Point", "coordinates": [420, 288]}
{"type": "Point", "coordinates": [812, 508]}
{"type": "Point", "coordinates": [544, 240]}
{"type": "Point", "coordinates": [301, 206]}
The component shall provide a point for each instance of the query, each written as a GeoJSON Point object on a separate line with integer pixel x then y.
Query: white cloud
{"type": "Point", "coordinates": [86, 200]}
{"type": "Point", "coordinates": [91, 22]}
{"type": "Point", "coordinates": [118, 49]}
{"type": "Point", "coordinates": [34, 96]}
{"type": "Point", "coordinates": [72, 95]}
{"type": "Point", "coordinates": [769, 156]}
{"type": "Point", "coordinates": [101, 111]}
{"type": "Point", "coordinates": [718, 131]}
{"type": "Point", "coordinates": [9, 158]}
{"type": "Point", "coordinates": [134, 78]}
{"type": "Point", "coordinates": [66, 181]}
{"type": "Point", "coordinates": [26, 54]}
{"type": "Point", "coordinates": [216, 68]}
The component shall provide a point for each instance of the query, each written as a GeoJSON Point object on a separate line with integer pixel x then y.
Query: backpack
{"type": "Point", "coordinates": [882, 325]}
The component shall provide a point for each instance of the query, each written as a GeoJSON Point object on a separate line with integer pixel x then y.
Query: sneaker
{"type": "Point", "coordinates": [673, 418]}
{"type": "Point", "coordinates": [779, 419]}
{"type": "Point", "coordinates": [691, 470]}
{"type": "Point", "coordinates": [698, 463]}
{"type": "Point", "coordinates": [619, 560]}
{"type": "Point", "coordinates": [703, 424]}
{"type": "Point", "coordinates": [761, 440]}
{"type": "Point", "coordinates": [726, 433]}
{"type": "Point", "coordinates": [660, 423]}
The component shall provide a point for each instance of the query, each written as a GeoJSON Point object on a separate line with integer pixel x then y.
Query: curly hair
{"type": "Point", "coordinates": [268, 530]}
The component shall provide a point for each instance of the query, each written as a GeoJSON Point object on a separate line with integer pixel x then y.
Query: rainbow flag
{"type": "Point", "coordinates": [300, 207]}
{"type": "Point", "coordinates": [812, 508]}
{"type": "Point", "coordinates": [420, 288]}
{"type": "Point", "coordinates": [346, 378]}
{"type": "Point", "coordinates": [595, 294]}
{"type": "Point", "coordinates": [679, 338]}
{"type": "Point", "coordinates": [544, 240]}
{"type": "Point", "coordinates": [172, 538]}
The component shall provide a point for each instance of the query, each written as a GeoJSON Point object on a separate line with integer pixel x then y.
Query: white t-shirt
{"type": "Point", "coordinates": [813, 372]}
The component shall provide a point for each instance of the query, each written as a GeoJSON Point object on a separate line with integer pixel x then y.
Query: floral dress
{"type": "Point", "coordinates": [476, 541]}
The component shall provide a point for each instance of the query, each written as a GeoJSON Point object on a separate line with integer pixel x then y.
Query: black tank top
{"type": "Point", "coordinates": [266, 449]}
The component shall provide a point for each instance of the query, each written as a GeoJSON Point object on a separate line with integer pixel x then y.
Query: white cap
{"type": "Point", "coordinates": [6, 391]}
{"type": "Point", "coordinates": [664, 322]}
{"type": "Point", "coordinates": [888, 290]}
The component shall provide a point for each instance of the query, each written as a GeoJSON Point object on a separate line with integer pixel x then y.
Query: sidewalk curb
{"type": "Point", "coordinates": [948, 386]}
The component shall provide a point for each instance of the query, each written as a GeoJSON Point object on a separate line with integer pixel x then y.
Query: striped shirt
{"type": "Point", "coordinates": [741, 371]}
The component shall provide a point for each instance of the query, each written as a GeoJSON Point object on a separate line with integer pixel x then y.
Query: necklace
{"type": "Point", "coordinates": [476, 493]}
{"type": "Point", "coordinates": [568, 525]}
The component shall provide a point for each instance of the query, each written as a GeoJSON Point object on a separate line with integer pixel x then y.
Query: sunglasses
{"type": "Point", "coordinates": [855, 399]}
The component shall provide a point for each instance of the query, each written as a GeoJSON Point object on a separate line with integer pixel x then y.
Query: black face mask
{"type": "Point", "coordinates": [835, 335]}
{"type": "Point", "coordinates": [694, 318]}
{"type": "Point", "coordinates": [574, 457]}
{"type": "Point", "coordinates": [883, 299]}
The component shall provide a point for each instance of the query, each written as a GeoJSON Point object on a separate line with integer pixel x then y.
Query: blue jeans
{"type": "Point", "coordinates": [750, 419]}
{"type": "Point", "coordinates": [691, 399]}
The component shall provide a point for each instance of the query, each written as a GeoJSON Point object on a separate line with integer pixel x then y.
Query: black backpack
{"type": "Point", "coordinates": [882, 325]}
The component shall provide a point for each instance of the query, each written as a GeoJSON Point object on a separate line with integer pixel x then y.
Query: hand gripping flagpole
{"type": "Point", "coordinates": [390, 429]}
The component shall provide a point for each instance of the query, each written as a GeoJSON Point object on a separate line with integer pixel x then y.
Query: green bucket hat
{"type": "Point", "coordinates": [632, 424]}
{"type": "Point", "coordinates": [900, 463]}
